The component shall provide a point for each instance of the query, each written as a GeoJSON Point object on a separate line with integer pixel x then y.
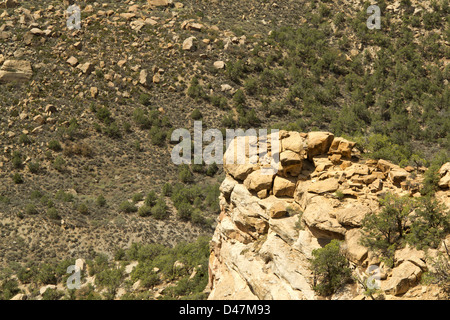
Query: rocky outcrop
{"type": "Point", "coordinates": [15, 70]}
{"type": "Point", "coordinates": [270, 223]}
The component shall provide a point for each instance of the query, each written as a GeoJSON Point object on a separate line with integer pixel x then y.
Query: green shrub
{"type": "Point", "coordinates": [150, 199]}
{"type": "Point", "coordinates": [197, 217]}
{"type": "Point", "coordinates": [31, 209]}
{"type": "Point", "coordinates": [113, 131]}
{"type": "Point", "coordinates": [144, 211]}
{"type": "Point", "coordinates": [167, 189]}
{"type": "Point", "coordinates": [219, 102]}
{"type": "Point", "coordinates": [111, 280]}
{"type": "Point", "coordinates": [185, 174]}
{"type": "Point", "coordinates": [195, 90]}
{"type": "Point", "coordinates": [251, 86]}
{"type": "Point", "coordinates": [157, 136]}
{"type": "Point", "coordinates": [385, 231]}
{"type": "Point", "coordinates": [184, 211]}
{"type": "Point", "coordinates": [52, 294]}
{"type": "Point", "coordinates": [16, 160]}
{"type": "Point", "coordinates": [52, 213]}
{"type": "Point", "coordinates": [150, 280]}
{"type": "Point", "coordinates": [141, 118]}
{"type": "Point", "coordinates": [439, 274]}
{"type": "Point", "coordinates": [127, 207]}
{"type": "Point", "coordinates": [25, 139]}
{"type": "Point", "coordinates": [431, 176]}
{"type": "Point", "coordinates": [137, 197]}
{"type": "Point", "coordinates": [104, 115]}
{"type": "Point", "coordinates": [8, 289]}
{"type": "Point", "coordinates": [83, 208]}
{"type": "Point", "coordinates": [54, 145]}
{"type": "Point", "coordinates": [330, 268]}
{"type": "Point", "coordinates": [212, 169]}
{"type": "Point", "coordinates": [127, 127]}
{"type": "Point", "coordinates": [159, 211]}
{"type": "Point", "coordinates": [47, 274]}
{"type": "Point", "coordinates": [430, 224]}
{"type": "Point", "coordinates": [17, 178]}
{"type": "Point", "coordinates": [59, 163]}
{"type": "Point", "coordinates": [64, 196]}
{"type": "Point", "coordinates": [339, 194]}
{"type": "Point", "coordinates": [235, 71]}
{"type": "Point", "coordinates": [34, 167]}
{"type": "Point", "coordinates": [196, 114]}
{"type": "Point", "coordinates": [100, 201]}
{"type": "Point", "coordinates": [144, 99]}
{"type": "Point", "coordinates": [239, 97]}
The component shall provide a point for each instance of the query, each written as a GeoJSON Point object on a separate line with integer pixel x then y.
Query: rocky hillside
{"type": "Point", "coordinates": [86, 117]}
{"type": "Point", "coordinates": [270, 225]}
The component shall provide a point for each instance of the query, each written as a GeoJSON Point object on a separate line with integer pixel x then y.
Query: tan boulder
{"type": "Point", "coordinates": [39, 119]}
{"type": "Point", "coordinates": [322, 163]}
{"type": "Point", "coordinates": [444, 173]}
{"type": "Point", "coordinates": [284, 186]}
{"type": "Point", "coordinates": [237, 161]}
{"type": "Point", "coordinates": [257, 181]}
{"type": "Point", "coordinates": [72, 61]}
{"type": "Point", "coordinates": [444, 182]}
{"type": "Point", "coordinates": [412, 255]}
{"type": "Point", "coordinates": [219, 65]}
{"type": "Point", "coordinates": [277, 210]}
{"type": "Point", "coordinates": [342, 146]}
{"type": "Point", "coordinates": [15, 70]}
{"type": "Point", "coordinates": [9, 4]}
{"type": "Point", "coordinates": [352, 213]}
{"type": "Point", "coordinates": [384, 165]}
{"type": "Point", "coordinates": [86, 68]}
{"type": "Point", "coordinates": [355, 252]}
{"type": "Point", "coordinates": [317, 217]}
{"type": "Point", "coordinates": [335, 158]}
{"type": "Point", "coordinates": [189, 44]}
{"type": "Point", "coordinates": [295, 142]}
{"type": "Point", "coordinates": [323, 186]}
{"type": "Point", "coordinates": [290, 158]}
{"type": "Point", "coordinates": [227, 186]}
{"type": "Point", "coordinates": [144, 77]}
{"type": "Point", "coordinates": [444, 169]}
{"type": "Point", "coordinates": [403, 277]}
{"type": "Point", "coordinates": [318, 143]}
{"type": "Point", "coordinates": [398, 175]}
{"type": "Point", "coordinates": [160, 3]}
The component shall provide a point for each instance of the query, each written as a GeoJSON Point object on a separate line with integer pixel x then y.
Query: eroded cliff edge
{"type": "Point", "coordinates": [270, 224]}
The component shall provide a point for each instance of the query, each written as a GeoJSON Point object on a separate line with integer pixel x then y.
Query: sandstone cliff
{"type": "Point", "coordinates": [270, 224]}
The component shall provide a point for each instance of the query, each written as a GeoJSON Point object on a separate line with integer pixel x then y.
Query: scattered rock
{"type": "Point", "coordinates": [189, 44]}
{"type": "Point", "coordinates": [72, 61]}
{"type": "Point", "coordinates": [160, 3]}
{"type": "Point", "coordinates": [86, 68]}
{"type": "Point", "coordinates": [94, 92]}
{"type": "Point", "coordinates": [219, 65]}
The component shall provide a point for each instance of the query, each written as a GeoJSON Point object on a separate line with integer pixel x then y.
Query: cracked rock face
{"type": "Point", "coordinates": [270, 224]}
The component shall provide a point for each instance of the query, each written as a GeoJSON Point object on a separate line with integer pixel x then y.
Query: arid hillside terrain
{"type": "Point", "coordinates": [86, 115]}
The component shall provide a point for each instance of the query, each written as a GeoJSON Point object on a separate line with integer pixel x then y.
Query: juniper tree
{"type": "Point", "coordinates": [385, 230]}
